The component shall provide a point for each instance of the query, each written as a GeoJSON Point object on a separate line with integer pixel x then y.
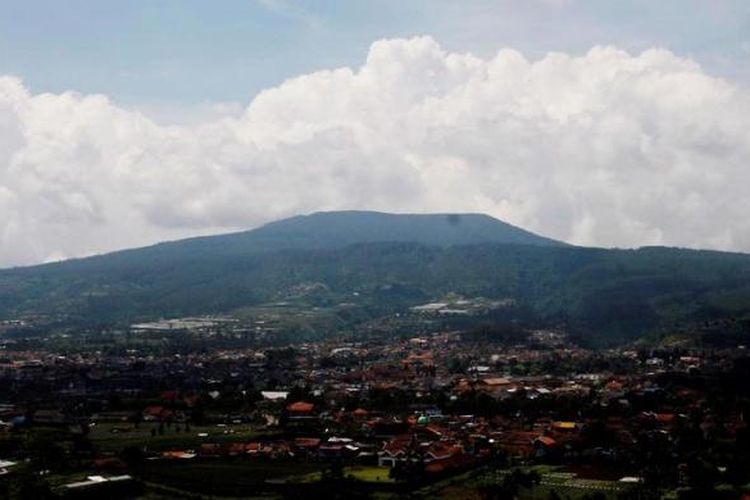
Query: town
{"type": "Point", "coordinates": [493, 413]}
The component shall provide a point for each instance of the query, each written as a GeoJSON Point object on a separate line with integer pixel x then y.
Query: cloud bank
{"type": "Point", "coordinates": [606, 149]}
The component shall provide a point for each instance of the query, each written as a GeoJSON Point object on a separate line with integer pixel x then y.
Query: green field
{"type": "Point", "coordinates": [368, 474]}
{"type": "Point", "coordinates": [114, 437]}
{"type": "Point", "coordinates": [226, 478]}
{"type": "Point", "coordinates": [565, 484]}
{"type": "Point", "coordinates": [372, 474]}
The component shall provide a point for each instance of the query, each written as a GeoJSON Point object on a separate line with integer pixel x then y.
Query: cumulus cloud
{"type": "Point", "coordinates": [607, 148]}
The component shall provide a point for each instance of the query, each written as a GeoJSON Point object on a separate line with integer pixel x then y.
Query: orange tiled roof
{"type": "Point", "coordinates": [546, 441]}
{"type": "Point", "coordinates": [300, 407]}
{"type": "Point", "coordinates": [307, 442]}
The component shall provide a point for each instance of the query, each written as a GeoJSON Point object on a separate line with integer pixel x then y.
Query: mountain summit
{"type": "Point", "coordinates": [349, 227]}
{"type": "Point", "coordinates": [327, 230]}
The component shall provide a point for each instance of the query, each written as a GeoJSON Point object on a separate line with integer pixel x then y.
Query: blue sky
{"type": "Point", "coordinates": [587, 121]}
{"type": "Point", "coordinates": [163, 53]}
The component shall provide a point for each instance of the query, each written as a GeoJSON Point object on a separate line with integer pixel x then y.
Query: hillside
{"type": "Point", "coordinates": [392, 262]}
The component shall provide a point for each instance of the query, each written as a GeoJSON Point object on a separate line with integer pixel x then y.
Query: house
{"type": "Point", "coordinates": [300, 408]}
{"type": "Point", "coordinates": [157, 413]}
{"type": "Point", "coordinates": [109, 463]}
{"type": "Point", "coordinates": [307, 446]}
{"type": "Point", "coordinates": [337, 451]}
{"type": "Point", "coordinates": [394, 450]}
{"type": "Point", "coordinates": [301, 414]}
{"type": "Point", "coordinates": [115, 416]}
{"type": "Point", "coordinates": [564, 426]}
{"type": "Point", "coordinates": [519, 444]}
{"type": "Point", "coordinates": [274, 395]}
{"type": "Point", "coordinates": [178, 455]}
{"type": "Point", "coordinates": [494, 382]}
{"type": "Point", "coordinates": [170, 396]}
{"type": "Point", "coordinates": [50, 417]}
{"type": "Point", "coordinates": [545, 446]}
{"type": "Point", "coordinates": [453, 462]}
{"type": "Point", "coordinates": [665, 418]}
{"type": "Point", "coordinates": [441, 450]}
{"type": "Point", "coordinates": [6, 466]}
{"type": "Point", "coordinates": [210, 450]}
{"type": "Point", "coordinates": [253, 448]}
{"type": "Point", "coordinates": [236, 449]}
{"type": "Point", "coordinates": [360, 414]}
{"type": "Point", "coordinates": [387, 428]}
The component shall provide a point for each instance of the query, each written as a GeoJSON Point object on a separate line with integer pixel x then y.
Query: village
{"type": "Point", "coordinates": [384, 416]}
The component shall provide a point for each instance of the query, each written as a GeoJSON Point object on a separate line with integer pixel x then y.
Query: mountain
{"type": "Point", "coordinates": [329, 230]}
{"type": "Point", "coordinates": [391, 262]}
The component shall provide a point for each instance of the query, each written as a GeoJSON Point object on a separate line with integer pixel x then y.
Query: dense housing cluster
{"type": "Point", "coordinates": [385, 415]}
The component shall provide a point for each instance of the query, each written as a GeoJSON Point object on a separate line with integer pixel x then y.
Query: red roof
{"type": "Point", "coordinates": [157, 411]}
{"type": "Point", "coordinates": [154, 410]}
{"type": "Point", "coordinates": [307, 442]}
{"type": "Point", "coordinates": [209, 449]}
{"type": "Point", "coordinates": [517, 437]}
{"type": "Point", "coordinates": [108, 462]}
{"type": "Point", "coordinates": [454, 461]}
{"type": "Point", "coordinates": [191, 401]}
{"type": "Point", "coordinates": [547, 441]}
{"type": "Point", "coordinates": [177, 454]}
{"type": "Point", "coordinates": [664, 418]}
{"type": "Point", "coordinates": [236, 448]}
{"type": "Point", "coordinates": [300, 407]}
{"type": "Point", "coordinates": [443, 450]}
{"type": "Point", "coordinates": [614, 385]}
{"type": "Point", "coordinates": [434, 430]}
{"type": "Point", "coordinates": [169, 396]}
{"type": "Point", "coordinates": [397, 445]}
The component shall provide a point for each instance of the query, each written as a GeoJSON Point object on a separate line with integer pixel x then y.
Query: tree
{"type": "Point", "coordinates": [134, 457]}
{"type": "Point", "coordinates": [45, 452]}
{"type": "Point", "coordinates": [25, 484]}
{"type": "Point", "coordinates": [511, 485]}
{"type": "Point", "coordinates": [411, 468]}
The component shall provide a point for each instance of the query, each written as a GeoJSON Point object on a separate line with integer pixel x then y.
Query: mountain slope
{"type": "Point", "coordinates": [611, 293]}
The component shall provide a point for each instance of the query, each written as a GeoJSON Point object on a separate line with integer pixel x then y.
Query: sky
{"type": "Point", "coordinates": [606, 123]}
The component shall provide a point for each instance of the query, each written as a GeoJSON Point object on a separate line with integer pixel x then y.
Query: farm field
{"type": "Point", "coordinates": [115, 437]}
{"type": "Point", "coordinates": [236, 478]}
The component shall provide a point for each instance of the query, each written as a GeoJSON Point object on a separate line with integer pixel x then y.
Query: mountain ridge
{"type": "Point", "coordinates": [361, 226]}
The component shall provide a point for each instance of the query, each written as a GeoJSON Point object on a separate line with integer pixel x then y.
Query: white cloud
{"type": "Point", "coordinates": [603, 149]}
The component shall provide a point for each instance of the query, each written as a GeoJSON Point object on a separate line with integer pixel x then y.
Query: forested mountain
{"type": "Point", "coordinates": [328, 230]}
{"type": "Point", "coordinates": [398, 260]}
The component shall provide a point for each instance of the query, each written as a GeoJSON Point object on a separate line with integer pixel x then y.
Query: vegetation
{"type": "Point", "coordinates": [237, 478]}
{"type": "Point", "coordinates": [606, 295]}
